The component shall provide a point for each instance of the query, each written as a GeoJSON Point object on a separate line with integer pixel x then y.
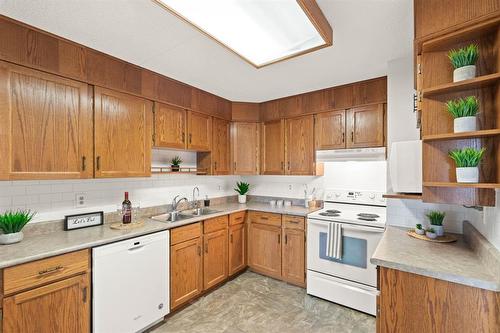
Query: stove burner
{"type": "Point", "coordinates": [367, 219]}
{"type": "Point", "coordinates": [327, 213]}
{"type": "Point", "coordinates": [333, 211]}
{"type": "Point", "coordinates": [368, 216]}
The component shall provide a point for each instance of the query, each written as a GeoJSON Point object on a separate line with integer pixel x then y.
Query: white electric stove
{"type": "Point", "coordinates": [352, 279]}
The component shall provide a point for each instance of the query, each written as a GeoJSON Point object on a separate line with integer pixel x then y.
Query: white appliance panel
{"type": "Point", "coordinates": [130, 283]}
{"type": "Point", "coordinates": [406, 166]}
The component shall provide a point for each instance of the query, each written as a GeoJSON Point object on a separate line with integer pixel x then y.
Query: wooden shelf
{"type": "Point", "coordinates": [182, 170]}
{"type": "Point", "coordinates": [463, 185]}
{"type": "Point", "coordinates": [478, 82]}
{"type": "Point", "coordinates": [463, 135]}
{"type": "Point", "coordinates": [408, 196]}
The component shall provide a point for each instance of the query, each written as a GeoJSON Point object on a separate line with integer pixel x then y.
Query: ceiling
{"type": "Point", "coordinates": [366, 35]}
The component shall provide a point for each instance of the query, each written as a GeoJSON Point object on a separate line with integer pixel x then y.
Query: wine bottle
{"type": "Point", "coordinates": [126, 210]}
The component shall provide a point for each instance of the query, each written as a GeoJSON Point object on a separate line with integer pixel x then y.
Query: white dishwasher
{"type": "Point", "coordinates": [130, 284]}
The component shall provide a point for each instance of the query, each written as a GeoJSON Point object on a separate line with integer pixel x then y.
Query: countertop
{"type": "Point", "coordinates": [59, 242]}
{"type": "Point", "coordinates": [454, 262]}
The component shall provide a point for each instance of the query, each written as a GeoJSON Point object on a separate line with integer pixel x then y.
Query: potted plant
{"type": "Point", "coordinates": [419, 230]}
{"type": "Point", "coordinates": [175, 162]}
{"type": "Point", "coordinates": [11, 224]}
{"type": "Point", "coordinates": [242, 189]}
{"type": "Point", "coordinates": [464, 62]}
{"type": "Point", "coordinates": [436, 219]}
{"type": "Point", "coordinates": [467, 161]}
{"type": "Point", "coordinates": [430, 233]}
{"type": "Point", "coordinates": [464, 113]}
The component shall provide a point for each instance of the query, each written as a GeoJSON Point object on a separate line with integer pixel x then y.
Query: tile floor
{"type": "Point", "coordinates": [255, 303]}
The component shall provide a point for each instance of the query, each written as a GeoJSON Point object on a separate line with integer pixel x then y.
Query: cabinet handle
{"type": "Point", "coordinates": [190, 137]}
{"type": "Point", "coordinates": [199, 251]}
{"type": "Point", "coordinates": [279, 239]}
{"type": "Point", "coordinates": [206, 247]}
{"type": "Point", "coordinates": [282, 165]}
{"type": "Point", "coordinates": [293, 221]}
{"type": "Point", "coordinates": [288, 165]}
{"type": "Point", "coordinates": [264, 218]}
{"type": "Point", "coordinates": [83, 163]}
{"type": "Point", "coordinates": [98, 162]}
{"type": "Point", "coordinates": [286, 239]}
{"type": "Point", "coordinates": [352, 136]}
{"type": "Point", "coordinates": [231, 240]}
{"type": "Point", "coordinates": [50, 270]}
{"type": "Point", "coordinates": [183, 137]}
{"type": "Point", "coordinates": [343, 137]}
{"type": "Point", "coordinates": [234, 165]}
{"type": "Point", "coordinates": [215, 165]}
{"type": "Point", "coordinates": [84, 294]}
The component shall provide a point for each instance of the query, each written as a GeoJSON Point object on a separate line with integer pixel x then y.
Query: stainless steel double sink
{"type": "Point", "coordinates": [184, 215]}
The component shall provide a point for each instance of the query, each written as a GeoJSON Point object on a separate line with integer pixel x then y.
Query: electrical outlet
{"type": "Point", "coordinates": [290, 187]}
{"type": "Point", "coordinates": [80, 200]}
{"type": "Point", "coordinates": [219, 187]}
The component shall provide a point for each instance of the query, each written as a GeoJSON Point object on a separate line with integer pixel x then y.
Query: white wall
{"type": "Point", "coordinates": [489, 226]}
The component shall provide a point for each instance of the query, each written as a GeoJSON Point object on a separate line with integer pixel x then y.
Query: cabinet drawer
{"type": "Point", "coordinates": [265, 218]}
{"type": "Point", "coordinates": [293, 222]}
{"type": "Point", "coordinates": [237, 218]}
{"type": "Point", "coordinates": [217, 223]}
{"type": "Point", "coordinates": [33, 274]}
{"type": "Point", "coordinates": [187, 232]}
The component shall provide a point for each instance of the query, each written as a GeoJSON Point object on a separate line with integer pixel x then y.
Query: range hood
{"type": "Point", "coordinates": [356, 154]}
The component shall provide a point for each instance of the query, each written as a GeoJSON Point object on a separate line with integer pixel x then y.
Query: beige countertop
{"type": "Point", "coordinates": [454, 262]}
{"type": "Point", "coordinates": [34, 247]}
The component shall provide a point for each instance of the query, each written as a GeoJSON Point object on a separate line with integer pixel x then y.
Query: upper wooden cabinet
{"type": "Point", "coordinates": [299, 146]}
{"type": "Point", "coordinates": [365, 126]}
{"type": "Point", "coordinates": [169, 127]}
{"type": "Point", "coordinates": [199, 131]}
{"type": "Point", "coordinates": [123, 134]}
{"type": "Point", "coordinates": [45, 126]}
{"type": "Point", "coordinates": [221, 147]}
{"type": "Point", "coordinates": [330, 130]}
{"type": "Point", "coordinates": [245, 148]}
{"type": "Point", "coordinates": [273, 147]}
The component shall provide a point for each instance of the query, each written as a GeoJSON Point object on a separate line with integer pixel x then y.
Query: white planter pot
{"type": "Point", "coordinates": [464, 73]}
{"type": "Point", "coordinates": [431, 235]}
{"type": "Point", "coordinates": [419, 231]}
{"type": "Point", "coordinates": [465, 124]}
{"type": "Point", "coordinates": [242, 198]}
{"type": "Point", "coordinates": [468, 175]}
{"type": "Point", "coordinates": [11, 238]}
{"type": "Point", "coordinates": [438, 229]}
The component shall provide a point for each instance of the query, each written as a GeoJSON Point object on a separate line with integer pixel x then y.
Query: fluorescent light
{"type": "Point", "coordinates": [260, 31]}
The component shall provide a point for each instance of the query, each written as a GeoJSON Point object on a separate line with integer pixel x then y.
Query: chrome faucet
{"type": "Point", "coordinates": [195, 202]}
{"type": "Point", "coordinates": [175, 202]}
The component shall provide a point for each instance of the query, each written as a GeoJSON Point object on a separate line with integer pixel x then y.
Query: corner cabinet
{"type": "Point", "coordinates": [123, 134]}
{"type": "Point", "coordinates": [44, 117]}
{"type": "Point", "coordinates": [245, 141]}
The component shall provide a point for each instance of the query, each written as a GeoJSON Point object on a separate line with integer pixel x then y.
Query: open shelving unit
{"type": "Point", "coordinates": [436, 86]}
{"type": "Point", "coordinates": [182, 170]}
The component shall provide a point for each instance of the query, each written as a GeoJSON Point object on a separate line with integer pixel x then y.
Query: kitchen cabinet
{"type": "Point", "coordinates": [186, 264]}
{"type": "Point", "coordinates": [199, 131]}
{"type": "Point", "coordinates": [45, 125]}
{"type": "Point", "coordinates": [245, 148]}
{"type": "Point", "coordinates": [122, 135]}
{"type": "Point", "coordinates": [273, 147]}
{"type": "Point", "coordinates": [220, 154]}
{"type": "Point", "coordinates": [330, 130]}
{"type": "Point", "coordinates": [215, 260]}
{"type": "Point", "coordinates": [365, 126]}
{"type": "Point", "coordinates": [299, 146]}
{"type": "Point", "coordinates": [294, 250]}
{"type": "Point", "coordinates": [237, 243]}
{"type": "Point", "coordinates": [169, 126]}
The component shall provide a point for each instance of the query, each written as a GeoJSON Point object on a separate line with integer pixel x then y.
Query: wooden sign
{"type": "Point", "coordinates": [78, 221]}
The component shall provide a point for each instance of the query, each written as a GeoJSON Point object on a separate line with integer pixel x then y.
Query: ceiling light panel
{"type": "Point", "coordinates": [260, 31]}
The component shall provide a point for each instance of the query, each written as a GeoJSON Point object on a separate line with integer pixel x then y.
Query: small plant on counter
{"type": "Point", "coordinates": [430, 233]}
{"type": "Point", "coordinates": [12, 224]}
{"type": "Point", "coordinates": [467, 161]}
{"type": "Point", "coordinates": [419, 229]}
{"type": "Point", "coordinates": [464, 61]}
{"type": "Point", "coordinates": [175, 162]}
{"type": "Point", "coordinates": [464, 112]}
{"type": "Point", "coordinates": [242, 189]}
{"type": "Point", "coordinates": [436, 219]}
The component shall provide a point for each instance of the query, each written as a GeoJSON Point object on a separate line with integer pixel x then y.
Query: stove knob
{"type": "Point", "coordinates": [329, 196]}
{"type": "Point", "coordinates": [337, 195]}
{"type": "Point", "coordinates": [372, 196]}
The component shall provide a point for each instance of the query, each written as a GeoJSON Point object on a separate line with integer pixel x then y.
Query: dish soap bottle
{"type": "Point", "coordinates": [126, 210]}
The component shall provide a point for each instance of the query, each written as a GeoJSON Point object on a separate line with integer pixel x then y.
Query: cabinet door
{"type": "Point", "coordinates": [185, 271]}
{"type": "Point", "coordinates": [245, 148]}
{"type": "Point", "coordinates": [199, 131]}
{"type": "Point", "coordinates": [330, 130]}
{"type": "Point", "coordinates": [365, 126]}
{"type": "Point", "coordinates": [221, 147]}
{"type": "Point", "coordinates": [123, 134]}
{"type": "Point", "coordinates": [237, 248]}
{"type": "Point", "coordinates": [45, 126]}
{"type": "Point", "coordinates": [214, 258]}
{"type": "Point", "coordinates": [265, 249]}
{"type": "Point", "coordinates": [170, 127]}
{"type": "Point", "coordinates": [273, 148]}
{"type": "Point", "coordinates": [57, 307]}
{"type": "Point", "coordinates": [293, 270]}
{"type": "Point", "coordinates": [299, 147]}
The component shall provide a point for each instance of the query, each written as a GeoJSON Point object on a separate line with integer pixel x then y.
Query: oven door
{"type": "Point", "coordinates": [358, 244]}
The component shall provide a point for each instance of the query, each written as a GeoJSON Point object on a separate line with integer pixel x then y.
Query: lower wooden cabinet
{"type": "Point", "coordinates": [293, 258]}
{"type": "Point", "coordinates": [265, 249]}
{"type": "Point", "coordinates": [237, 249]}
{"type": "Point", "coordinates": [62, 306]}
{"type": "Point", "coordinates": [214, 258]}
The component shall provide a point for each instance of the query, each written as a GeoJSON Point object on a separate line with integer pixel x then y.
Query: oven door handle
{"type": "Point", "coordinates": [348, 226]}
